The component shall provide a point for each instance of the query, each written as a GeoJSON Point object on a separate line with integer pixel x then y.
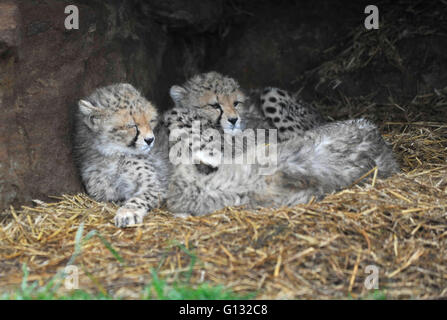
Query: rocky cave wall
{"type": "Point", "coordinates": [45, 69]}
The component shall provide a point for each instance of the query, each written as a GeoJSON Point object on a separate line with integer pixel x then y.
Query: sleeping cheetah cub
{"type": "Point", "coordinates": [114, 149]}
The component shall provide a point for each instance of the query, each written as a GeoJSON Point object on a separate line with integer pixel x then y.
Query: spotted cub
{"type": "Point", "coordinates": [210, 97]}
{"type": "Point", "coordinates": [216, 104]}
{"type": "Point", "coordinates": [288, 114]}
{"type": "Point", "coordinates": [117, 154]}
{"type": "Point", "coordinates": [320, 159]}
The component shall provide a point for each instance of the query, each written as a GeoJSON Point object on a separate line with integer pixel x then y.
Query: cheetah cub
{"type": "Point", "coordinates": [114, 149]}
{"type": "Point", "coordinates": [325, 159]}
{"type": "Point", "coordinates": [320, 159]}
{"type": "Point", "coordinates": [288, 114]}
{"type": "Point", "coordinates": [209, 97]}
{"type": "Point", "coordinates": [212, 101]}
{"type": "Point", "coordinates": [217, 102]}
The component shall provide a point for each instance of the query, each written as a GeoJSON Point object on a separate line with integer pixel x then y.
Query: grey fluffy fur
{"type": "Point", "coordinates": [115, 161]}
{"type": "Point", "coordinates": [314, 163]}
{"type": "Point", "coordinates": [324, 160]}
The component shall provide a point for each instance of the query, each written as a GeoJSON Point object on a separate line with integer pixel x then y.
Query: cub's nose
{"type": "Point", "coordinates": [149, 141]}
{"type": "Point", "coordinates": [233, 120]}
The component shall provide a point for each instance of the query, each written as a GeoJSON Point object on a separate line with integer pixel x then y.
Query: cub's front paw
{"type": "Point", "coordinates": [127, 217]}
{"type": "Point", "coordinates": [209, 158]}
{"type": "Point", "coordinates": [182, 215]}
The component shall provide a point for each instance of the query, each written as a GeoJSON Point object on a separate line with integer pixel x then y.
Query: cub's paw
{"type": "Point", "coordinates": [182, 215]}
{"type": "Point", "coordinates": [212, 158]}
{"type": "Point", "coordinates": [127, 217]}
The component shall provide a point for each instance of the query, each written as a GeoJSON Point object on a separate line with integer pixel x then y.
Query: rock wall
{"type": "Point", "coordinates": [45, 69]}
{"type": "Point", "coordinates": [322, 48]}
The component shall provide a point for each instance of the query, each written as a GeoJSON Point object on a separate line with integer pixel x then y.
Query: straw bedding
{"type": "Point", "coordinates": [316, 250]}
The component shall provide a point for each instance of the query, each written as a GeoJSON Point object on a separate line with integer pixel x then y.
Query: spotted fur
{"type": "Point", "coordinates": [289, 115]}
{"type": "Point", "coordinates": [117, 153]}
{"type": "Point", "coordinates": [212, 97]}
{"type": "Point", "coordinates": [321, 158]}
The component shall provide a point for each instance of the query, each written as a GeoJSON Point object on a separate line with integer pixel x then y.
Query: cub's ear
{"type": "Point", "coordinates": [177, 93]}
{"type": "Point", "coordinates": [91, 114]}
{"type": "Point", "coordinates": [86, 107]}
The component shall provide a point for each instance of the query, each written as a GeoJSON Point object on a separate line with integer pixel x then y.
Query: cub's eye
{"type": "Point", "coordinates": [215, 105]}
{"type": "Point", "coordinates": [128, 127]}
{"type": "Point", "coordinates": [236, 103]}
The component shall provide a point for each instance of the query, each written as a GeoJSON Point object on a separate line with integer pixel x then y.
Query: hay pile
{"type": "Point", "coordinates": [317, 250]}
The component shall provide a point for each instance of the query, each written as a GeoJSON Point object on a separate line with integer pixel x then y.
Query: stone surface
{"type": "Point", "coordinates": [284, 44]}
{"type": "Point", "coordinates": [9, 26]}
{"type": "Point", "coordinates": [273, 44]}
{"type": "Point", "coordinates": [195, 15]}
{"type": "Point", "coordinates": [40, 86]}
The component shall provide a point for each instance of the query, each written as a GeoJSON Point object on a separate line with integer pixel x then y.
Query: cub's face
{"type": "Point", "coordinates": [221, 109]}
{"type": "Point", "coordinates": [122, 129]}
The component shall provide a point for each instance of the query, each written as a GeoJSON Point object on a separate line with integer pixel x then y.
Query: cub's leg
{"type": "Point", "coordinates": [140, 182]}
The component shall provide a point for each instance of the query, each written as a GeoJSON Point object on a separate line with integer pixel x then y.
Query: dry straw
{"type": "Point", "coordinates": [317, 250]}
